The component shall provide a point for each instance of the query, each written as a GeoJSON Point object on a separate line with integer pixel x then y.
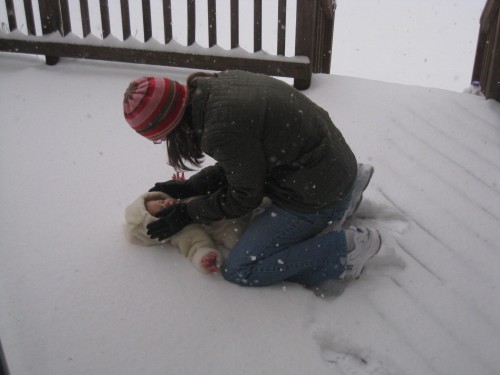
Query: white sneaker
{"type": "Point", "coordinates": [367, 243]}
{"type": "Point", "coordinates": [363, 177]}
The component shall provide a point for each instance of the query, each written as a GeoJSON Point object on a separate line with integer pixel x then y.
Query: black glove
{"type": "Point", "coordinates": [172, 220]}
{"type": "Point", "coordinates": [176, 189]}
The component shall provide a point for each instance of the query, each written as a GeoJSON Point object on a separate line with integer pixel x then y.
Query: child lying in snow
{"type": "Point", "coordinates": [204, 245]}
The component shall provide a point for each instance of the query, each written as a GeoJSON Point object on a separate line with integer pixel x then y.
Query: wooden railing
{"type": "Point", "coordinates": [487, 62]}
{"type": "Point", "coordinates": [313, 38]}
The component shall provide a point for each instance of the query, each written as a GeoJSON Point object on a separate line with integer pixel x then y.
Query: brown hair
{"type": "Point", "coordinates": [183, 145]}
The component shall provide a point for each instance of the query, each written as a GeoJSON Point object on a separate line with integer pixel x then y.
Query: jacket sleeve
{"type": "Point", "coordinates": [194, 243]}
{"type": "Point", "coordinates": [208, 180]}
{"type": "Point", "coordinates": [243, 162]}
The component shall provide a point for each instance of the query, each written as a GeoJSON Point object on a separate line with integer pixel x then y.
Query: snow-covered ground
{"type": "Point", "coordinates": [77, 298]}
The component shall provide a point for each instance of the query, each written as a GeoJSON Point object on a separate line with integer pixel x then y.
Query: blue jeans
{"type": "Point", "coordinates": [282, 245]}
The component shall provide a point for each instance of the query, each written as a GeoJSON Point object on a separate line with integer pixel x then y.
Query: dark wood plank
{"type": "Point", "coordinates": [305, 27]}
{"type": "Point", "coordinates": [492, 87]}
{"type": "Point", "coordinates": [65, 19]}
{"type": "Point", "coordinates": [106, 26]}
{"type": "Point", "coordinates": [212, 23]}
{"type": "Point", "coordinates": [191, 22]}
{"type": "Point", "coordinates": [257, 25]}
{"type": "Point", "coordinates": [84, 10]}
{"type": "Point", "coordinates": [281, 27]}
{"type": "Point", "coordinates": [30, 19]}
{"type": "Point", "coordinates": [327, 47]}
{"type": "Point", "coordinates": [125, 19]}
{"type": "Point", "coordinates": [235, 24]}
{"type": "Point", "coordinates": [167, 20]}
{"type": "Point", "coordinates": [146, 19]}
{"type": "Point", "coordinates": [11, 15]}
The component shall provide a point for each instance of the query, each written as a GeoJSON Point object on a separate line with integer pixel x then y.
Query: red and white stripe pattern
{"type": "Point", "coordinates": [154, 106]}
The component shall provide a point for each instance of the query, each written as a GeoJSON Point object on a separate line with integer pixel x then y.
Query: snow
{"type": "Point", "coordinates": [77, 298]}
{"type": "Point", "coordinates": [430, 43]}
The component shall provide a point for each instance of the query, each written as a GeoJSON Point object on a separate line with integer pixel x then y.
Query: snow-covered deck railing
{"type": "Point", "coordinates": [312, 37]}
{"type": "Point", "coordinates": [487, 63]}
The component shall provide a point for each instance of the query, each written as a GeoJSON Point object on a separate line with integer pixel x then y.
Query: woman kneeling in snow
{"type": "Point", "coordinates": [267, 139]}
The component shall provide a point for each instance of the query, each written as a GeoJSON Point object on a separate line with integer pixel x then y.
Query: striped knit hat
{"type": "Point", "coordinates": [154, 106]}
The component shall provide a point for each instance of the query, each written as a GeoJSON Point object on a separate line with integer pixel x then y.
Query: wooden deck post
{"type": "Point", "coordinates": [487, 61]}
{"type": "Point", "coordinates": [305, 36]}
{"type": "Point", "coordinates": [50, 17]}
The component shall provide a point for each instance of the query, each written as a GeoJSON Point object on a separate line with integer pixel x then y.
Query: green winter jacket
{"type": "Point", "coordinates": [268, 139]}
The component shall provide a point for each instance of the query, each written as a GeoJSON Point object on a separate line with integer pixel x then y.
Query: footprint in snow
{"type": "Point", "coordinates": [386, 217]}
{"type": "Point", "coordinates": [350, 361]}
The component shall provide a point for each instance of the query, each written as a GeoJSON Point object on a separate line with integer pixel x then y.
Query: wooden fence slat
{"type": "Point", "coordinates": [84, 10]}
{"type": "Point", "coordinates": [212, 23]}
{"type": "Point", "coordinates": [106, 27]}
{"type": "Point", "coordinates": [318, 38]}
{"type": "Point", "coordinates": [146, 19]}
{"type": "Point", "coordinates": [327, 40]}
{"type": "Point", "coordinates": [30, 19]}
{"type": "Point", "coordinates": [125, 11]}
{"type": "Point", "coordinates": [281, 27]}
{"type": "Point", "coordinates": [65, 20]}
{"type": "Point", "coordinates": [49, 15]}
{"type": "Point", "coordinates": [235, 24]}
{"type": "Point", "coordinates": [167, 20]}
{"type": "Point", "coordinates": [191, 24]}
{"type": "Point", "coordinates": [257, 24]}
{"type": "Point", "coordinates": [11, 15]}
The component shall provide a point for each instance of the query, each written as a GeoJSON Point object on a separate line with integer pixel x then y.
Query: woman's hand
{"type": "Point", "coordinates": [177, 189]}
{"type": "Point", "coordinates": [172, 220]}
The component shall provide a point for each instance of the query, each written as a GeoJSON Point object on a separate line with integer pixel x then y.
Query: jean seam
{"type": "Point", "coordinates": [283, 267]}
